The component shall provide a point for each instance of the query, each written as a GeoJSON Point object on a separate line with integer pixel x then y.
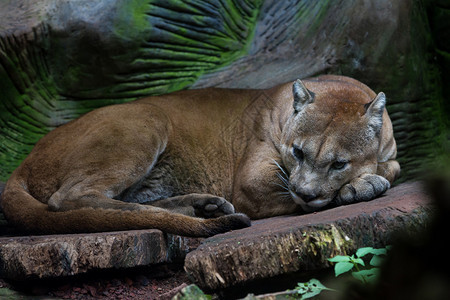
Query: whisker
{"type": "Point", "coordinates": [280, 167]}
{"type": "Point", "coordinates": [282, 186]}
{"type": "Point", "coordinates": [282, 196]}
{"type": "Point", "coordinates": [284, 193]}
{"type": "Point", "coordinates": [283, 176]}
{"type": "Point", "coordinates": [285, 181]}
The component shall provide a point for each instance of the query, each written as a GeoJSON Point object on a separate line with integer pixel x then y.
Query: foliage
{"type": "Point", "coordinates": [344, 264]}
{"type": "Point", "coordinates": [366, 274]}
{"type": "Point", "coordinates": [191, 292]}
{"type": "Point", "coordinates": [310, 289]}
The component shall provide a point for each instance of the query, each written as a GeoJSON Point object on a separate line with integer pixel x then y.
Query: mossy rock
{"type": "Point", "coordinates": [60, 59]}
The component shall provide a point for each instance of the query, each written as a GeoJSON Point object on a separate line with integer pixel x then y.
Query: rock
{"type": "Point", "coordinates": [61, 58]}
{"type": "Point", "coordinates": [282, 245]}
{"type": "Point", "coordinates": [31, 257]}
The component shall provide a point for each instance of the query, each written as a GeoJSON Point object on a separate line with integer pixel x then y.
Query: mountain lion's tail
{"type": "Point", "coordinates": [28, 214]}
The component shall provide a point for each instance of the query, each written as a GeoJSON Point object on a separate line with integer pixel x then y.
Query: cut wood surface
{"type": "Point", "coordinates": [289, 244]}
{"type": "Point", "coordinates": [30, 257]}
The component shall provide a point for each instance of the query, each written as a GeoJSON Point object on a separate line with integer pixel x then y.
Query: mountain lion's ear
{"type": "Point", "coordinates": [302, 96]}
{"type": "Point", "coordinates": [374, 112]}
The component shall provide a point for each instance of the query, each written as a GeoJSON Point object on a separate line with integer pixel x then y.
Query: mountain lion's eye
{"type": "Point", "coordinates": [339, 165]}
{"type": "Point", "coordinates": [298, 153]}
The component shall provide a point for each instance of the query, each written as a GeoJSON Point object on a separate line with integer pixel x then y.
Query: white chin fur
{"type": "Point", "coordinates": [310, 206]}
{"type": "Point", "coordinates": [318, 203]}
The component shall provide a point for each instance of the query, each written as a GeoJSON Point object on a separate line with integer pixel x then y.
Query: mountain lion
{"type": "Point", "coordinates": [169, 162]}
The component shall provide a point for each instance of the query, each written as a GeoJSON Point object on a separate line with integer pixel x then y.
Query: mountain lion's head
{"type": "Point", "coordinates": [332, 137]}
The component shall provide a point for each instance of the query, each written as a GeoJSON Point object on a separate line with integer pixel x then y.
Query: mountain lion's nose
{"type": "Point", "coordinates": [307, 197]}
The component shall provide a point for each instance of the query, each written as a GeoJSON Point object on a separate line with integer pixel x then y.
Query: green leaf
{"type": "Point", "coordinates": [381, 251]}
{"type": "Point", "coordinates": [191, 292]}
{"type": "Point", "coordinates": [367, 276]}
{"type": "Point", "coordinates": [364, 251]}
{"type": "Point", "coordinates": [310, 289]}
{"type": "Point", "coordinates": [342, 267]}
{"type": "Point", "coordinates": [377, 260]}
{"type": "Point", "coordinates": [340, 258]}
{"type": "Point", "coordinates": [358, 261]}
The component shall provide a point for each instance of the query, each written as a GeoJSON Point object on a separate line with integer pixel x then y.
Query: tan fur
{"type": "Point", "coordinates": [164, 162]}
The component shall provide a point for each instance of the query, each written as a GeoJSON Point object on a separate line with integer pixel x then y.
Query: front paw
{"type": "Point", "coordinates": [209, 206]}
{"type": "Point", "coordinates": [364, 188]}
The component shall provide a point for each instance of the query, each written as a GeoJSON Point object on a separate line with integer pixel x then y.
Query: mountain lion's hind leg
{"type": "Point", "coordinates": [101, 164]}
{"type": "Point", "coordinates": [197, 205]}
{"type": "Point", "coordinates": [92, 199]}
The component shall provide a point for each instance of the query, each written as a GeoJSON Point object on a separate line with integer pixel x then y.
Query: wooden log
{"type": "Point", "coordinates": [31, 257]}
{"type": "Point", "coordinates": [290, 244]}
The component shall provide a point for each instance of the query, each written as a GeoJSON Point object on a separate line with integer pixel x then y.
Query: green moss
{"type": "Point", "coordinates": [131, 15]}
{"type": "Point", "coordinates": [20, 125]}
{"type": "Point", "coordinates": [182, 40]}
{"type": "Point", "coordinates": [326, 242]}
{"type": "Point", "coordinates": [317, 9]}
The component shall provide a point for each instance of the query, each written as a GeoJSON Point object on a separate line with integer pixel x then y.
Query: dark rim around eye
{"type": "Point", "coordinates": [339, 165]}
{"type": "Point", "coordinates": [297, 152]}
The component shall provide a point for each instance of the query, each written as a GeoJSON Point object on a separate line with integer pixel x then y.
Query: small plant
{"type": "Point", "coordinates": [310, 289]}
{"type": "Point", "coordinates": [345, 263]}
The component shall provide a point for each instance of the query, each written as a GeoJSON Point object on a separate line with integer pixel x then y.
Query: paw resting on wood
{"type": "Point", "coordinates": [364, 188]}
{"type": "Point", "coordinates": [209, 206]}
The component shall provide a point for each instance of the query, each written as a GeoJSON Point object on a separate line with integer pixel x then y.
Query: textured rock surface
{"type": "Point", "coordinates": [283, 245]}
{"type": "Point", "coordinates": [62, 255]}
{"type": "Point", "coordinates": [62, 58]}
